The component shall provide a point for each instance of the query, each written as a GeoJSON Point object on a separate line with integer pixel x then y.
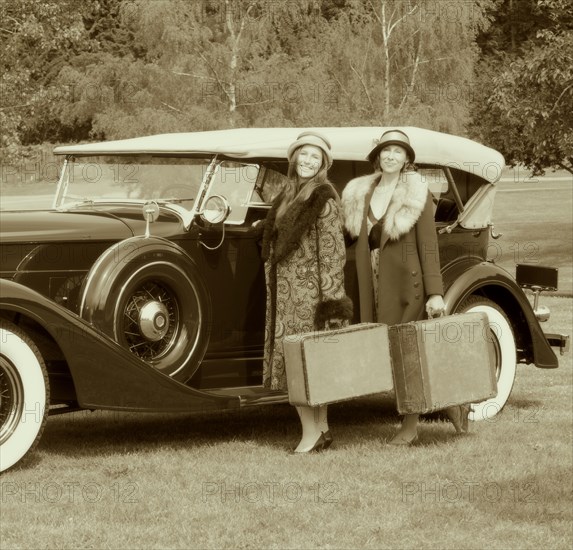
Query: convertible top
{"type": "Point", "coordinates": [348, 143]}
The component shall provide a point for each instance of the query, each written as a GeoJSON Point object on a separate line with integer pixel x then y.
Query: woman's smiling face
{"type": "Point", "coordinates": [393, 158]}
{"type": "Point", "coordinates": [309, 161]}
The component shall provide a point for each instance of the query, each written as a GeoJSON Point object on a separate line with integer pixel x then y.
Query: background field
{"type": "Point", "coordinates": [111, 480]}
{"type": "Point", "coordinates": [535, 217]}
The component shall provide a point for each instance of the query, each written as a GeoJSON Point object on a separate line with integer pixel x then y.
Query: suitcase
{"type": "Point", "coordinates": [442, 362]}
{"type": "Point", "coordinates": [336, 365]}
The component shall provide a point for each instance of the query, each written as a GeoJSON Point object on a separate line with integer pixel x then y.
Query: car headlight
{"type": "Point", "coordinates": [216, 209]}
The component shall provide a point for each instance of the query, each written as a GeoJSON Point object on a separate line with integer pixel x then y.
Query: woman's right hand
{"type": "Point", "coordinates": [435, 306]}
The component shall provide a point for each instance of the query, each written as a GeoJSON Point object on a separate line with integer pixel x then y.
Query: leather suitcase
{"type": "Point", "coordinates": [337, 365]}
{"type": "Point", "coordinates": [442, 362]}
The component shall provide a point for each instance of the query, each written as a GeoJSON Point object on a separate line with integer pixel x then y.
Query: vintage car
{"type": "Point", "coordinates": [142, 288]}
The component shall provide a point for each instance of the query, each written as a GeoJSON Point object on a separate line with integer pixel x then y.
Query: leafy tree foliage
{"type": "Point", "coordinates": [406, 62]}
{"type": "Point", "coordinates": [37, 39]}
{"type": "Point", "coordinates": [106, 69]}
{"type": "Point", "coordinates": [524, 103]}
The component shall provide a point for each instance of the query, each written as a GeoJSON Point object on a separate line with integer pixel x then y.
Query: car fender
{"type": "Point", "coordinates": [131, 251]}
{"type": "Point", "coordinates": [105, 375]}
{"type": "Point", "coordinates": [487, 279]}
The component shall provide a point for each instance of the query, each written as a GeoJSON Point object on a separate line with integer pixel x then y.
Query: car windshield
{"type": "Point", "coordinates": [93, 179]}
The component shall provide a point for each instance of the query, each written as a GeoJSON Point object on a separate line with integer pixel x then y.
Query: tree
{"type": "Point", "coordinates": [113, 69]}
{"type": "Point", "coordinates": [526, 99]}
{"type": "Point", "coordinates": [37, 38]}
{"type": "Point", "coordinates": [406, 61]}
{"type": "Point", "coordinates": [204, 65]}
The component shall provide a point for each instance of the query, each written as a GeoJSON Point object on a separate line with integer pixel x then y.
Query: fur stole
{"type": "Point", "coordinates": [406, 205]}
{"type": "Point", "coordinates": [297, 220]}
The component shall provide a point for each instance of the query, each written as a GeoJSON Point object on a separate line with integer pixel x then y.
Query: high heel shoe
{"type": "Point", "coordinates": [401, 439]}
{"type": "Point", "coordinates": [322, 443]}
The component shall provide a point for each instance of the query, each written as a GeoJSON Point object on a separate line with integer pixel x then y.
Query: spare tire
{"type": "Point", "coordinates": [146, 294]}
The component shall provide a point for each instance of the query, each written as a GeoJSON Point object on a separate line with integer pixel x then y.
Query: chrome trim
{"type": "Point", "coordinates": [205, 184]}
{"type": "Point", "coordinates": [542, 313]}
{"type": "Point", "coordinates": [62, 185]}
{"type": "Point", "coordinates": [562, 341]}
{"type": "Point", "coordinates": [154, 320]}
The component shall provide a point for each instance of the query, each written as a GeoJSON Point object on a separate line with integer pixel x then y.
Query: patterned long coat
{"type": "Point", "coordinates": [304, 267]}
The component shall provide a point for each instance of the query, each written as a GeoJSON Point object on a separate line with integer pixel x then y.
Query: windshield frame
{"type": "Point", "coordinates": [186, 215]}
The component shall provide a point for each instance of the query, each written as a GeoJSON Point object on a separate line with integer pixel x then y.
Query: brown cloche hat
{"type": "Point", "coordinates": [392, 137]}
{"type": "Point", "coordinates": [311, 138]}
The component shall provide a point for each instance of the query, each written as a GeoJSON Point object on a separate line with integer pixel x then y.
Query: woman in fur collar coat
{"type": "Point", "coordinates": [390, 215]}
{"type": "Point", "coordinates": [304, 253]}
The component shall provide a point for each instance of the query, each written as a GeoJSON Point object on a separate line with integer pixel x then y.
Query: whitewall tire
{"type": "Point", "coordinates": [505, 354]}
{"type": "Point", "coordinates": [24, 395]}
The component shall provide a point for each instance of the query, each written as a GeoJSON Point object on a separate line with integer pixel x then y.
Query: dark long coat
{"type": "Point", "coordinates": [409, 262]}
{"type": "Point", "coordinates": [304, 267]}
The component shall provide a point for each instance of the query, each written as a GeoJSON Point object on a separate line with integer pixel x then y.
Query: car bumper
{"type": "Point", "coordinates": [561, 341]}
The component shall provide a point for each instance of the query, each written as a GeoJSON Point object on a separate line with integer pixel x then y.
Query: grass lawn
{"type": "Point", "coordinates": [228, 480]}
{"type": "Point", "coordinates": [536, 227]}
{"type": "Point", "coordinates": [110, 480]}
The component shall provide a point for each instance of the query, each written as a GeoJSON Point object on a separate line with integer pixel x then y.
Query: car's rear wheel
{"type": "Point", "coordinates": [505, 355]}
{"type": "Point", "coordinates": [153, 303]}
{"type": "Point", "coordinates": [24, 395]}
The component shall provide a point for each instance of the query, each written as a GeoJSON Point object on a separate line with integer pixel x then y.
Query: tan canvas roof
{"type": "Point", "coordinates": [348, 143]}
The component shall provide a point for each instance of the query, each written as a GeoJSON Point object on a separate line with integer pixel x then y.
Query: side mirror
{"type": "Point", "coordinates": [215, 210]}
{"type": "Point", "coordinates": [150, 214]}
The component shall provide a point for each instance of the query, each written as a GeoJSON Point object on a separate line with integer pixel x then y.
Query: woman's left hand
{"type": "Point", "coordinates": [435, 306]}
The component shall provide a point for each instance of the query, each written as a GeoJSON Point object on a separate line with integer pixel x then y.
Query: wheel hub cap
{"type": "Point", "coordinates": [154, 321]}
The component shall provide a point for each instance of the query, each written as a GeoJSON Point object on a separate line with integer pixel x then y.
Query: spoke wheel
{"type": "Point", "coordinates": [151, 319]}
{"type": "Point", "coordinates": [159, 316]}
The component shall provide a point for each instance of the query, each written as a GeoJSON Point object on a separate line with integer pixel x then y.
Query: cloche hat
{"type": "Point", "coordinates": [392, 137]}
{"type": "Point", "coordinates": [311, 138]}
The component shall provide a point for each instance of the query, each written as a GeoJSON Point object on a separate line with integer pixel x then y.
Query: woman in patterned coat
{"type": "Point", "coordinates": [304, 253]}
{"type": "Point", "coordinates": [390, 216]}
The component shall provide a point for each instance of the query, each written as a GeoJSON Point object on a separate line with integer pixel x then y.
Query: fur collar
{"type": "Point", "coordinates": [408, 201]}
{"type": "Point", "coordinates": [297, 220]}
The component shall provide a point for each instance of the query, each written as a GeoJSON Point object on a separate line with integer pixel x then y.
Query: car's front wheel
{"type": "Point", "coordinates": [505, 355]}
{"type": "Point", "coordinates": [24, 395]}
